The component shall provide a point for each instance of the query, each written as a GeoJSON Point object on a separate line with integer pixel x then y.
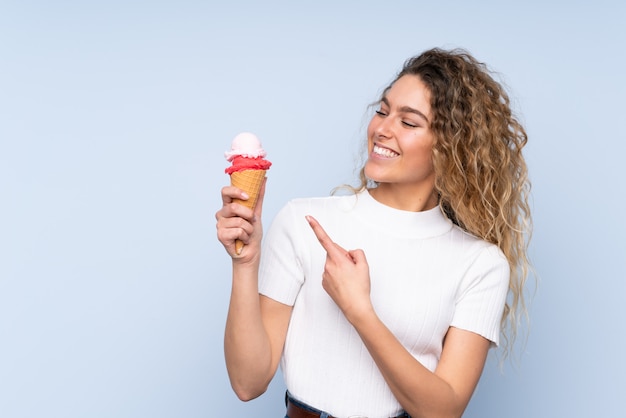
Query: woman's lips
{"type": "Point", "coordinates": [383, 151]}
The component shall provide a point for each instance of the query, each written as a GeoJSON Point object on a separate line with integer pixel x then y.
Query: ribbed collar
{"type": "Point", "coordinates": [401, 223]}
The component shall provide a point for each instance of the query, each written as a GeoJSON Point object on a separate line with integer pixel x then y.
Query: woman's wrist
{"type": "Point", "coordinates": [358, 314]}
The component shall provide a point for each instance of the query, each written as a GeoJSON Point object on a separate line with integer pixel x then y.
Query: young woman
{"type": "Point", "coordinates": [385, 302]}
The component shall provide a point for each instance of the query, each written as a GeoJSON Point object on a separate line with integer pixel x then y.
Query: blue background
{"type": "Point", "coordinates": [114, 117]}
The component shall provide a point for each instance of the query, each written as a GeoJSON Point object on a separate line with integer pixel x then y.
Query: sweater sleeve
{"type": "Point", "coordinates": [482, 295]}
{"type": "Point", "coordinates": [280, 272]}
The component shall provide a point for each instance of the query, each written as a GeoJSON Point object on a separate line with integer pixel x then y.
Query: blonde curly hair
{"type": "Point", "coordinates": [481, 176]}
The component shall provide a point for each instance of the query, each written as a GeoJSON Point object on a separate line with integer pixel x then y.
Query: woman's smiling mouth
{"type": "Point", "coordinates": [384, 152]}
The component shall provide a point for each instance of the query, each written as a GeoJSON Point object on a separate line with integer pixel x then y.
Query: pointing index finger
{"type": "Point", "coordinates": [321, 235]}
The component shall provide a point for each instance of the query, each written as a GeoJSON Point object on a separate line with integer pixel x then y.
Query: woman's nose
{"type": "Point", "coordinates": [384, 129]}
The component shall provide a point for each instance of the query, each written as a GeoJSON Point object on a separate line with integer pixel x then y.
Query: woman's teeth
{"type": "Point", "coordinates": [384, 152]}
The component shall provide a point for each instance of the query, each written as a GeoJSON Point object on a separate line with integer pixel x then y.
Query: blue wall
{"type": "Point", "coordinates": [113, 122]}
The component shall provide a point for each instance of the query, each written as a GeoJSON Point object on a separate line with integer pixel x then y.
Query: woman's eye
{"type": "Point", "coordinates": [379, 112]}
{"type": "Point", "coordinates": [409, 124]}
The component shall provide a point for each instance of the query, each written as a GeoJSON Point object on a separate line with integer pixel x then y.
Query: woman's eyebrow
{"type": "Point", "coordinates": [407, 109]}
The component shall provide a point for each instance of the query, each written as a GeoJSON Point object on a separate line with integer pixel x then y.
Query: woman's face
{"type": "Point", "coordinates": [400, 140]}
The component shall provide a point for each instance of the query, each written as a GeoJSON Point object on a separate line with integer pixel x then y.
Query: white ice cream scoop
{"type": "Point", "coordinates": [247, 145]}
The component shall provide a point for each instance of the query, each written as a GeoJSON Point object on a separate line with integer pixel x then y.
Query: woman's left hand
{"type": "Point", "coordinates": [346, 276]}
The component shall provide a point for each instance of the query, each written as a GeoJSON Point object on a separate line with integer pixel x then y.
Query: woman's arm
{"type": "Point", "coordinates": [422, 393]}
{"type": "Point", "coordinates": [253, 342]}
{"type": "Point", "coordinates": [256, 326]}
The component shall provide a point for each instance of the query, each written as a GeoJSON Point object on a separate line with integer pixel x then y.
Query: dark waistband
{"type": "Point", "coordinates": [297, 409]}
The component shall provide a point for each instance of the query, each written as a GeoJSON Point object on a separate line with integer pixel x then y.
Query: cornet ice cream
{"type": "Point", "coordinates": [247, 170]}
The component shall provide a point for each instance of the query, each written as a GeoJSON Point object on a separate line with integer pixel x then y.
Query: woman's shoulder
{"type": "Point", "coordinates": [473, 245]}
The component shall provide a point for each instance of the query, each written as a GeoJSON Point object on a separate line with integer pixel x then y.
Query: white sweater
{"type": "Point", "coordinates": [426, 275]}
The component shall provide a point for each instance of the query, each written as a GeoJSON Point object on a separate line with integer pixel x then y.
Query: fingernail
{"type": "Point", "coordinates": [244, 195]}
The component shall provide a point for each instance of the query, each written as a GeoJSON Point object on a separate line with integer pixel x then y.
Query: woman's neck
{"type": "Point", "coordinates": [405, 198]}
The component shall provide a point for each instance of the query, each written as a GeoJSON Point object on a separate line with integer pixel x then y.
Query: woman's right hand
{"type": "Point", "coordinates": [237, 222]}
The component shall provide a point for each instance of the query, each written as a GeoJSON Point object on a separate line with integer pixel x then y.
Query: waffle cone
{"type": "Point", "coordinates": [249, 181]}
